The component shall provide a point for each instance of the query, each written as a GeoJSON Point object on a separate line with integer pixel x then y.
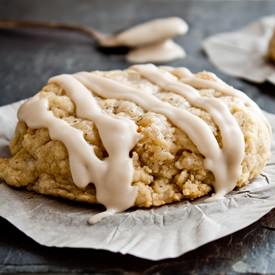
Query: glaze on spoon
{"type": "Point", "coordinates": [150, 41]}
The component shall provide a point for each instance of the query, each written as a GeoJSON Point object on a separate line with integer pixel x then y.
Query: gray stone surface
{"type": "Point", "coordinates": [29, 58]}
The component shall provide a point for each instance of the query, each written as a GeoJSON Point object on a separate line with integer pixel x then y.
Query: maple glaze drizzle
{"type": "Point", "coordinates": [113, 176]}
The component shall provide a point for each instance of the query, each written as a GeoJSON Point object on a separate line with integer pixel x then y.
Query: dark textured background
{"type": "Point", "coordinates": [29, 58]}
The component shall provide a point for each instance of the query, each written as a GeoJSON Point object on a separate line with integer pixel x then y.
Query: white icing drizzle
{"type": "Point", "coordinates": [226, 165]}
{"type": "Point", "coordinates": [163, 51]}
{"type": "Point", "coordinates": [112, 176]}
{"type": "Point", "coordinates": [219, 85]}
{"type": "Point", "coordinates": [196, 128]}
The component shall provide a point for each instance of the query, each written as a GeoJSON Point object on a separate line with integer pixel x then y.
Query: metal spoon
{"type": "Point", "coordinates": [143, 34]}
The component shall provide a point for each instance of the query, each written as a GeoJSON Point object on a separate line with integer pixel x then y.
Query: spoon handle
{"type": "Point", "coordinates": [13, 24]}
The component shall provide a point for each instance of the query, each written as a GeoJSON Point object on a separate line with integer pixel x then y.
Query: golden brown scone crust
{"type": "Point", "coordinates": [168, 166]}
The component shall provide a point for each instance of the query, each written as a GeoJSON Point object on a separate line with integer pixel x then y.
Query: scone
{"type": "Point", "coordinates": [146, 136]}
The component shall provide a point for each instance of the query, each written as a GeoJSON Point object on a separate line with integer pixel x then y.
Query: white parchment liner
{"type": "Point", "coordinates": [243, 53]}
{"type": "Point", "coordinates": [154, 234]}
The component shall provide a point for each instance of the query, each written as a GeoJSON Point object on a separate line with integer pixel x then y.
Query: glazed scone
{"type": "Point", "coordinates": [167, 164]}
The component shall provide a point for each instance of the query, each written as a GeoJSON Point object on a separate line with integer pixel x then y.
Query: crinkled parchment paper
{"type": "Point", "coordinates": [242, 53]}
{"type": "Point", "coordinates": [157, 233]}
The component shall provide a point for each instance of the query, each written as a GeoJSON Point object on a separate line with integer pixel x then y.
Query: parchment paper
{"type": "Point", "coordinates": [154, 234]}
{"type": "Point", "coordinates": [242, 53]}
